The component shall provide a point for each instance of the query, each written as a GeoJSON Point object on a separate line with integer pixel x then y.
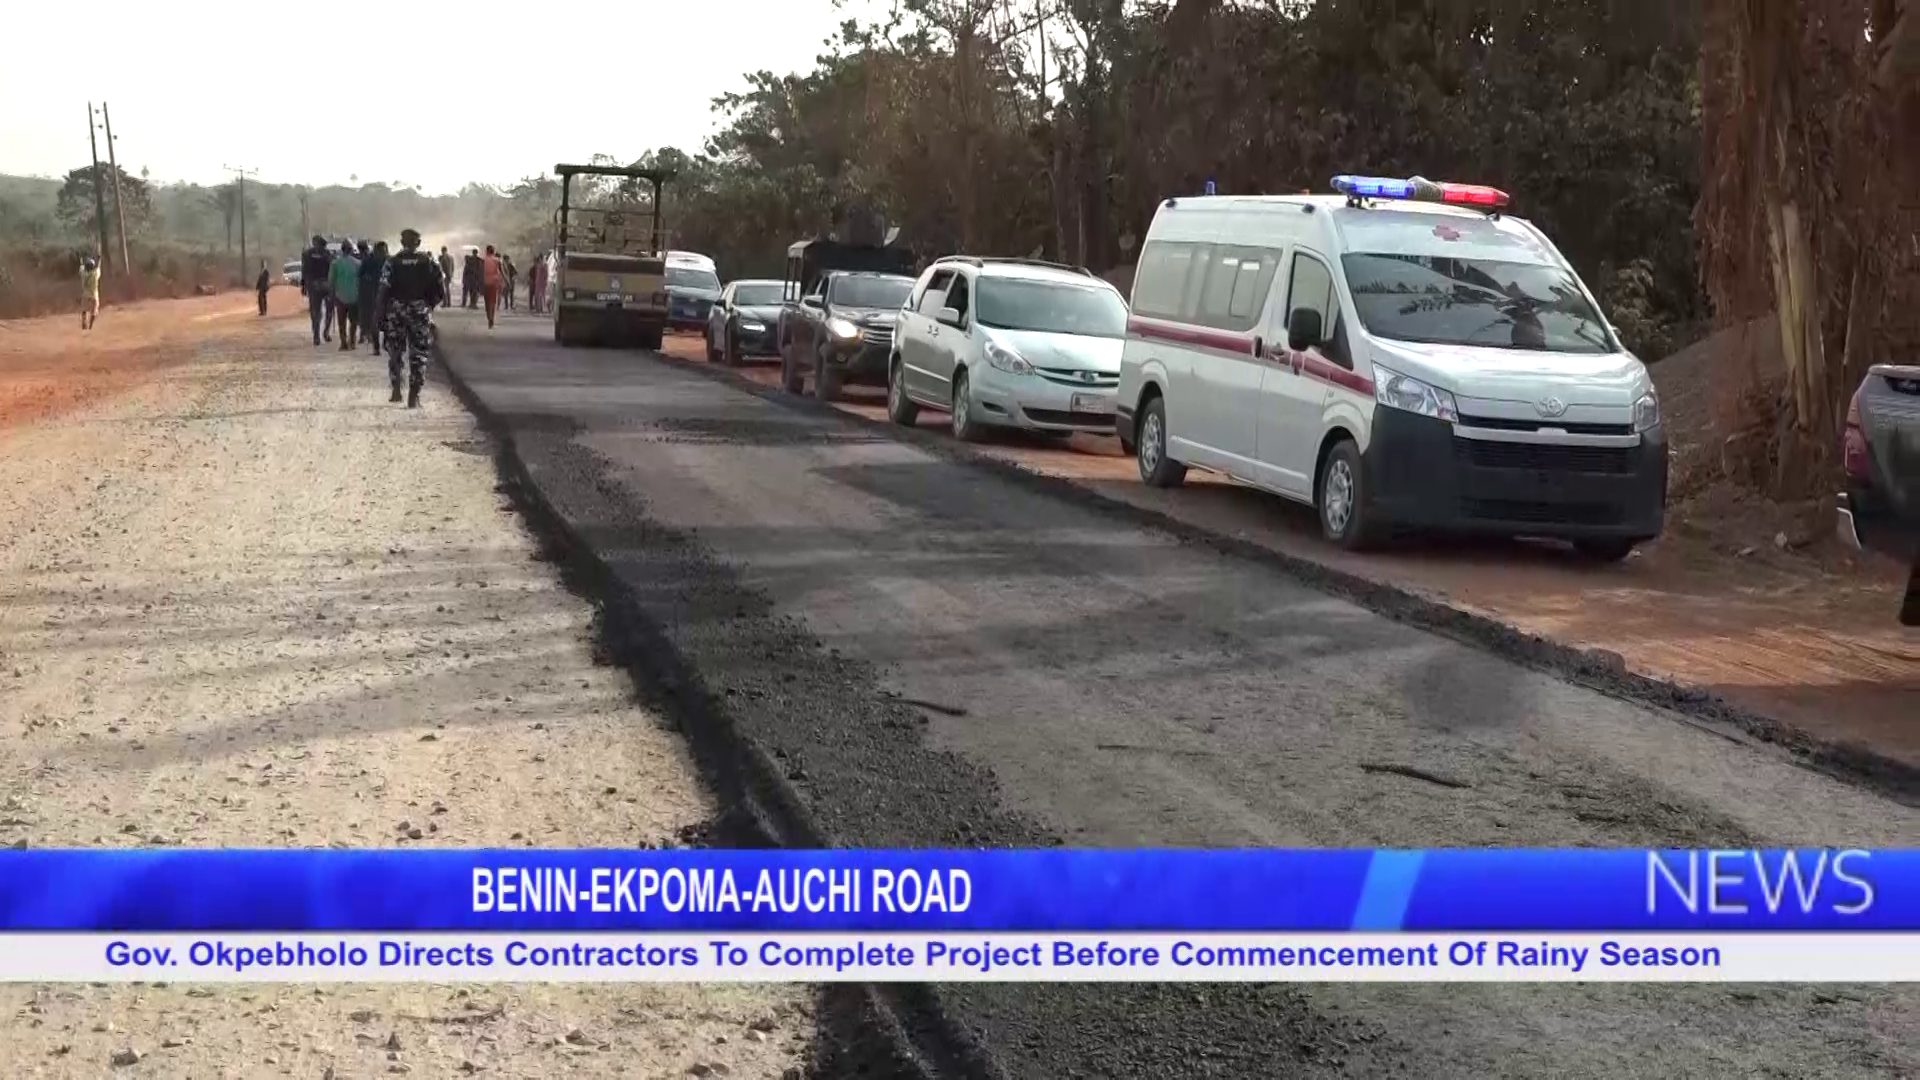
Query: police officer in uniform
{"type": "Point", "coordinates": [410, 288]}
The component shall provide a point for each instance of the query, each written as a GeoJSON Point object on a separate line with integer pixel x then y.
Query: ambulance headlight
{"type": "Point", "coordinates": [1646, 411]}
{"type": "Point", "coordinates": [1397, 391]}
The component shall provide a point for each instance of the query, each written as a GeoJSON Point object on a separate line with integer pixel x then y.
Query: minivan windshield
{"type": "Point", "coordinates": [688, 277]}
{"type": "Point", "coordinates": [875, 292]}
{"type": "Point", "coordinates": [1050, 307]}
{"type": "Point", "coordinates": [765, 295]}
{"type": "Point", "coordinates": [1444, 300]}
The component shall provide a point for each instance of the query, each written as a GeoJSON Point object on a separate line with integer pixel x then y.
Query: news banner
{"type": "Point", "coordinates": [1449, 915]}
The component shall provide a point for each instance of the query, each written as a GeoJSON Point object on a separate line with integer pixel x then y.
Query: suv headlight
{"type": "Point", "coordinates": [1007, 360]}
{"type": "Point", "coordinates": [754, 325]}
{"type": "Point", "coordinates": [842, 329]}
{"type": "Point", "coordinates": [1646, 411]}
{"type": "Point", "coordinates": [1397, 391]}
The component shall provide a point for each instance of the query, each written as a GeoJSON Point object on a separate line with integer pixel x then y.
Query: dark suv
{"type": "Point", "coordinates": [840, 304]}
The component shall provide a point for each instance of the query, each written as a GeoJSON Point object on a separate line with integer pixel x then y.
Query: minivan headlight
{"type": "Point", "coordinates": [1397, 391]}
{"type": "Point", "coordinates": [1007, 360]}
{"type": "Point", "coordinates": [1646, 411]}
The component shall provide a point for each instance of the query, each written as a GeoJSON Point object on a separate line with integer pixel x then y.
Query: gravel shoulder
{"type": "Point", "coordinates": [246, 602]}
{"type": "Point", "coordinates": [937, 654]}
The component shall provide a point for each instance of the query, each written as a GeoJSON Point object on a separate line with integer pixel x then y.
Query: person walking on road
{"type": "Point", "coordinates": [470, 279]}
{"type": "Point", "coordinates": [509, 274]}
{"type": "Point", "coordinates": [490, 278]}
{"type": "Point", "coordinates": [344, 279]}
{"type": "Point", "coordinates": [446, 275]}
{"type": "Point", "coordinates": [261, 284]}
{"type": "Point", "coordinates": [410, 288]}
{"type": "Point", "coordinates": [536, 284]}
{"type": "Point", "coordinates": [89, 292]}
{"type": "Point", "coordinates": [316, 263]}
{"type": "Point", "coordinates": [371, 263]}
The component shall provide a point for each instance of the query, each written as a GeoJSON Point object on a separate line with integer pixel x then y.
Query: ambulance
{"type": "Point", "coordinates": [1403, 355]}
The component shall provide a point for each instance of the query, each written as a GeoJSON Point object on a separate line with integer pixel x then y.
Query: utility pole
{"type": "Point", "coordinates": [240, 197]}
{"type": "Point", "coordinates": [119, 208]}
{"type": "Point", "coordinates": [99, 196]}
{"type": "Point", "coordinates": [305, 230]}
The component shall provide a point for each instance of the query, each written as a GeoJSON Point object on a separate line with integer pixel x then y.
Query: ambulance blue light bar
{"type": "Point", "coordinates": [1420, 189]}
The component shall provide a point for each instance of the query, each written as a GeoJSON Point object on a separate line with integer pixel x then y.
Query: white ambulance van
{"type": "Point", "coordinates": [1402, 355]}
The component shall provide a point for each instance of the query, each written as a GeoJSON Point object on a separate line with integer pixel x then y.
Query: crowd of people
{"type": "Point", "coordinates": [490, 280]}
{"type": "Point", "coordinates": [365, 293]}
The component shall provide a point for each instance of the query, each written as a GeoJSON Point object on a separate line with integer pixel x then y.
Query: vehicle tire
{"type": "Point", "coordinates": [1150, 448]}
{"type": "Point", "coordinates": [965, 428]}
{"type": "Point", "coordinates": [1604, 551]}
{"type": "Point", "coordinates": [791, 377]}
{"type": "Point", "coordinates": [826, 377]}
{"type": "Point", "coordinates": [1340, 496]}
{"type": "Point", "coordinates": [651, 339]}
{"type": "Point", "coordinates": [900, 408]}
{"type": "Point", "coordinates": [713, 354]}
{"type": "Point", "coordinates": [729, 347]}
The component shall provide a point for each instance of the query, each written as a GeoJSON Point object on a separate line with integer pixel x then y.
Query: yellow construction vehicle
{"type": "Point", "coordinates": [610, 284]}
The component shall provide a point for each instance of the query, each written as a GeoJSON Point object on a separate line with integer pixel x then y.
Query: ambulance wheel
{"type": "Point", "coordinates": [1340, 495]}
{"type": "Point", "coordinates": [1150, 448]}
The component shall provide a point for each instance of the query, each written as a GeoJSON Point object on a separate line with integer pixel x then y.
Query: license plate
{"type": "Point", "coordinates": [612, 296]}
{"type": "Point", "coordinates": [1092, 403]}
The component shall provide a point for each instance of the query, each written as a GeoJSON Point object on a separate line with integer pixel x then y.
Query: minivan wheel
{"type": "Point", "coordinates": [1341, 496]}
{"type": "Point", "coordinates": [1150, 449]}
{"type": "Point", "coordinates": [964, 427]}
{"type": "Point", "coordinates": [900, 408]}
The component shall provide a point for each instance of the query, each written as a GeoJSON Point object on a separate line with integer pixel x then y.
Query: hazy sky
{"type": "Point", "coordinates": [319, 92]}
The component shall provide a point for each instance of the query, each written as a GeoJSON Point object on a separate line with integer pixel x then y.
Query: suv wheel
{"type": "Point", "coordinates": [826, 377]}
{"type": "Point", "coordinates": [1603, 551]}
{"type": "Point", "coordinates": [713, 354]}
{"type": "Point", "coordinates": [900, 407]}
{"type": "Point", "coordinates": [791, 377]}
{"type": "Point", "coordinates": [1150, 448]}
{"type": "Point", "coordinates": [729, 347]}
{"type": "Point", "coordinates": [1341, 497]}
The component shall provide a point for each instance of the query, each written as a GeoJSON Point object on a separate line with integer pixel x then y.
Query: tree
{"type": "Point", "coordinates": [75, 203]}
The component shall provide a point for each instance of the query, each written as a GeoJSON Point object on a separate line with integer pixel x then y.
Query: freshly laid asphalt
{"type": "Point", "coordinates": [928, 653]}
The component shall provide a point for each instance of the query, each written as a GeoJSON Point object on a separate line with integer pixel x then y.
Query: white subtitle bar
{"type": "Point", "coordinates": [978, 957]}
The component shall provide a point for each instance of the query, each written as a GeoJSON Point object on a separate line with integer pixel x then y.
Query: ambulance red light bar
{"type": "Point", "coordinates": [1420, 189]}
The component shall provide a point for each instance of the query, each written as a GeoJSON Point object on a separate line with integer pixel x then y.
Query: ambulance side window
{"type": "Point", "coordinates": [1311, 289]}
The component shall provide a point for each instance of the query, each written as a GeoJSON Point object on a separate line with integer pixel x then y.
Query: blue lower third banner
{"type": "Point", "coordinates": [986, 890]}
{"type": "Point", "coordinates": [1014, 915]}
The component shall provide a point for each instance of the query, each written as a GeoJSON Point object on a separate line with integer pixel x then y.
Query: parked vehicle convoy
{"type": "Point", "coordinates": [839, 303]}
{"type": "Point", "coordinates": [741, 323]}
{"type": "Point", "coordinates": [610, 283]}
{"type": "Point", "coordinates": [1403, 354]}
{"type": "Point", "coordinates": [1880, 508]}
{"type": "Point", "coordinates": [1008, 343]}
{"type": "Point", "coordinates": [290, 272]}
{"type": "Point", "coordinates": [693, 284]}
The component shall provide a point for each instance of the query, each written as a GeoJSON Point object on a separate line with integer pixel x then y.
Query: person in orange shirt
{"type": "Point", "coordinates": [491, 279]}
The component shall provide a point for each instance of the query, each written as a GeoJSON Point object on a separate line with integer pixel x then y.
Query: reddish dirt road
{"type": "Point", "coordinates": [48, 366]}
{"type": "Point", "coordinates": [1810, 640]}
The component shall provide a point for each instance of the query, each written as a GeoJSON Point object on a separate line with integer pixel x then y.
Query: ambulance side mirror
{"type": "Point", "coordinates": [1303, 329]}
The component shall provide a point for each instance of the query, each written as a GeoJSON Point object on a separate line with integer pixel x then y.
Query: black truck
{"type": "Point", "coordinates": [837, 313]}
